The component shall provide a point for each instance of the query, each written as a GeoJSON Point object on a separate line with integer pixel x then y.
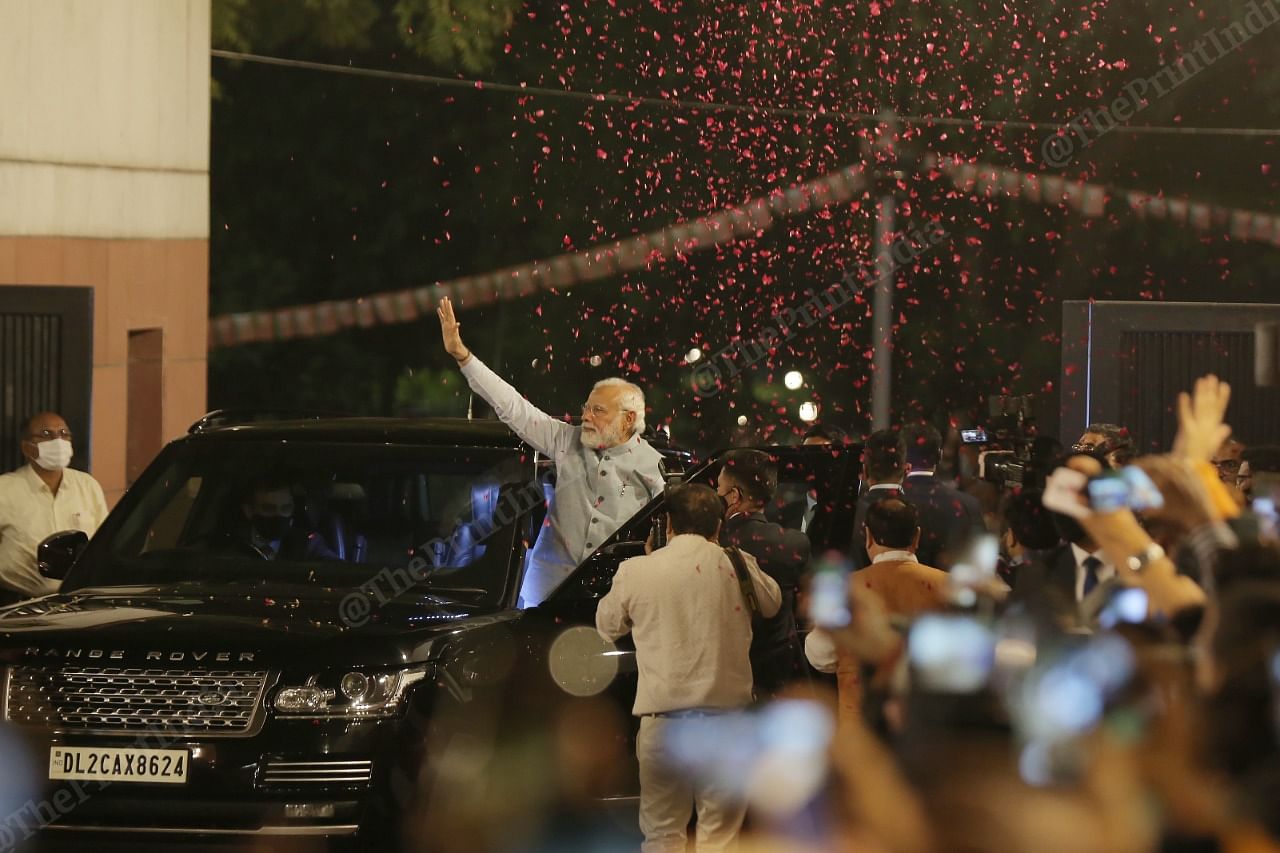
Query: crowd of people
{"type": "Point", "coordinates": [1092, 666]}
{"type": "Point", "coordinates": [1084, 657]}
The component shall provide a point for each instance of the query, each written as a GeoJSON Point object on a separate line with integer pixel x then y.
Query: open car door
{"type": "Point", "coordinates": [817, 492]}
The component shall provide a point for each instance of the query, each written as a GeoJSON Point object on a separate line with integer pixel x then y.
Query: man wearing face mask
{"type": "Point", "coordinates": [605, 471]}
{"type": "Point", "coordinates": [745, 484]}
{"type": "Point", "coordinates": [39, 499]}
{"type": "Point", "coordinates": [269, 532]}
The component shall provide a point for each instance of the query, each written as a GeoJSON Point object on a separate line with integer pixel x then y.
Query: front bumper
{"type": "Point", "coordinates": [292, 778]}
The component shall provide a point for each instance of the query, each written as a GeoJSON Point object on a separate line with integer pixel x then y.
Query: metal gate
{"type": "Point", "coordinates": [1125, 362]}
{"type": "Point", "coordinates": [46, 363]}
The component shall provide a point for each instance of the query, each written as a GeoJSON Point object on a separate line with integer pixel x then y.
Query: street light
{"type": "Point", "coordinates": [793, 380]}
{"type": "Point", "coordinates": [693, 356]}
{"type": "Point", "coordinates": [809, 412]}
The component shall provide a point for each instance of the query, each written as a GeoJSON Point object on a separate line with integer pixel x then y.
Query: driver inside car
{"type": "Point", "coordinates": [268, 530]}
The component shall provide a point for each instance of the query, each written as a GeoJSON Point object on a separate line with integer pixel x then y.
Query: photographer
{"type": "Point", "coordinates": [685, 610]}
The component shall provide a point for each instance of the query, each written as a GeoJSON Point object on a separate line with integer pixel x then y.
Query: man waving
{"type": "Point", "coordinates": [604, 470]}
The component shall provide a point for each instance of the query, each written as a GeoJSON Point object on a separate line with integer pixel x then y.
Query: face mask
{"type": "Point", "coordinates": [271, 527]}
{"type": "Point", "coordinates": [54, 454]}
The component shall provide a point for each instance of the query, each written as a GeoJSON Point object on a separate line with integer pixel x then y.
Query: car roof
{"type": "Point", "coordinates": [364, 430]}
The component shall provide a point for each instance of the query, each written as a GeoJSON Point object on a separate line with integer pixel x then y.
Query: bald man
{"type": "Point", "coordinates": [41, 498]}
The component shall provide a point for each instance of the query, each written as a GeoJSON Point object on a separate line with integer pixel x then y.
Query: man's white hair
{"type": "Point", "coordinates": [630, 398]}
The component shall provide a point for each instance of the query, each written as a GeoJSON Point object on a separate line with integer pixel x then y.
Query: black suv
{"type": "Point", "coordinates": [188, 680]}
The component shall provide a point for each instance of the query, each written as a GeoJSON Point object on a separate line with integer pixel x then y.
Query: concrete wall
{"type": "Point", "coordinates": [104, 182]}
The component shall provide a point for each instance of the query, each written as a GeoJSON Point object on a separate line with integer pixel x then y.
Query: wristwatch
{"type": "Point", "coordinates": [1145, 557]}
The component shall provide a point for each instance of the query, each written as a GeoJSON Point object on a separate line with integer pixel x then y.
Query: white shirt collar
{"type": "Point", "coordinates": [919, 473]}
{"type": "Point", "coordinates": [894, 557]}
{"type": "Point", "coordinates": [897, 486]}
{"type": "Point", "coordinates": [1105, 572]}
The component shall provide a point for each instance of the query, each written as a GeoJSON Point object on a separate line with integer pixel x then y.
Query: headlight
{"type": "Point", "coordinates": [348, 695]}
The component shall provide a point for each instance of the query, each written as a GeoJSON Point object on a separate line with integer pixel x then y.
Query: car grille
{"type": "Point", "coordinates": [109, 699]}
{"type": "Point", "coordinates": [292, 774]}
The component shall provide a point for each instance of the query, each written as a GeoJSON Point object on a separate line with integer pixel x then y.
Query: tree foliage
{"type": "Point", "coordinates": [461, 34]}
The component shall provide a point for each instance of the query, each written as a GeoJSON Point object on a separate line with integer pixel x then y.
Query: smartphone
{"type": "Point", "coordinates": [973, 436]}
{"type": "Point", "coordinates": [1130, 487]}
{"type": "Point", "coordinates": [1127, 605]}
{"type": "Point", "coordinates": [950, 653]}
{"type": "Point", "coordinates": [975, 568]}
{"type": "Point", "coordinates": [829, 593]}
{"type": "Point", "coordinates": [775, 756]}
{"type": "Point", "coordinates": [1268, 516]}
{"type": "Point", "coordinates": [1067, 694]}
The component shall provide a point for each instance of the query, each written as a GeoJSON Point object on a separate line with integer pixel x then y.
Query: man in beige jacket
{"type": "Point", "coordinates": [690, 619]}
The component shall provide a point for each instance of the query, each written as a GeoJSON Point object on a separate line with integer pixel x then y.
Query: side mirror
{"type": "Point", "coordinates": [58, 553]}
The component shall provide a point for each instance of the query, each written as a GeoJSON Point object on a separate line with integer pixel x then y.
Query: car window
{"type": "Point", "coordinates": [320, 513]}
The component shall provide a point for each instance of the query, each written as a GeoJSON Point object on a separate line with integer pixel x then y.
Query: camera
{"type": "Point", "coordinates": [1014, 453]}
{"type": "Point", "coordinates": [658, 530]}
{"type": "Point", "coordinates": [1002, 467]}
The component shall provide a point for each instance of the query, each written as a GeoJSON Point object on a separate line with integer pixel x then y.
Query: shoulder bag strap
{"type": "Point", "coordinates": [744, 580]}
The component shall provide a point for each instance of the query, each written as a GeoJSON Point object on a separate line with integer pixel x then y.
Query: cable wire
{"type": "Point", "coordinates": [719, 107]}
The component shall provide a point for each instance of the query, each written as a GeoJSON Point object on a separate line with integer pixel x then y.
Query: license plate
{"type": "Point", "coordinates": [117, 764]}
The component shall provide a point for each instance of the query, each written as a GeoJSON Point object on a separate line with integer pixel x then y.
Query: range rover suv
{"type": "Point", "coordinates": [190, 680]}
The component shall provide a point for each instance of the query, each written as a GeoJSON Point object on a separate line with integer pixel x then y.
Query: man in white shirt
{"type": "Point", "coordinates": [41, 498]}
{"type": "Point", "coordinates": [689, 616]}
{"type": "Point", "coordinates": [605, 471]}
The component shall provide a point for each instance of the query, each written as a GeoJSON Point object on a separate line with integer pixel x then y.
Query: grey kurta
{"type": "Point", "coordinates": [596, 490]}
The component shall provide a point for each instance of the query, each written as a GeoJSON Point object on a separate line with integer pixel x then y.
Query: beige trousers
{"type": "Point", "coordinates": [668, 797]}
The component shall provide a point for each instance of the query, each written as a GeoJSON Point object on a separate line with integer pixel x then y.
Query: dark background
{"type": "Point", "coordinates": [332, 186]}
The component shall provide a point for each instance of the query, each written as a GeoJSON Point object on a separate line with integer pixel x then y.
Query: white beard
{"type": "Point", "coordinates": [598, 439]}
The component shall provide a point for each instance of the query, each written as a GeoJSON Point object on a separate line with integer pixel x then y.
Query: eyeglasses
{"type": "Point", "coordinates": [598, 411]}
{"type": "Point", "coordinates": [46, 434]}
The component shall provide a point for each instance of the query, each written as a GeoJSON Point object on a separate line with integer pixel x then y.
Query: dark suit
{"type": "Point", "coordinates": [776, 654]}
{"type": "Point", "coordinates": [1047, 583]}
{"type": "Point", "coordinates": [948, 517]}
{"type": "Point", "coordinates": [858, 547]}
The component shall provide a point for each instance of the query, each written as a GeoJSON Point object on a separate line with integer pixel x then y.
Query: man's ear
{"type": "Point", "coordinates": [870, 543]}
{"type": "Point", "coordinates": [915, 543]}
{"type": "Point", "coordinates": [715, 537]}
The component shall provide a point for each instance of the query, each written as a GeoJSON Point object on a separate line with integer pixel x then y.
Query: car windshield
{"type": "Point", "coordinates": [332, 515]}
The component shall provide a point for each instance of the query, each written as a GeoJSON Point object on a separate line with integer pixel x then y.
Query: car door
{"type": "Point", "coordinates": [829, 472]}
